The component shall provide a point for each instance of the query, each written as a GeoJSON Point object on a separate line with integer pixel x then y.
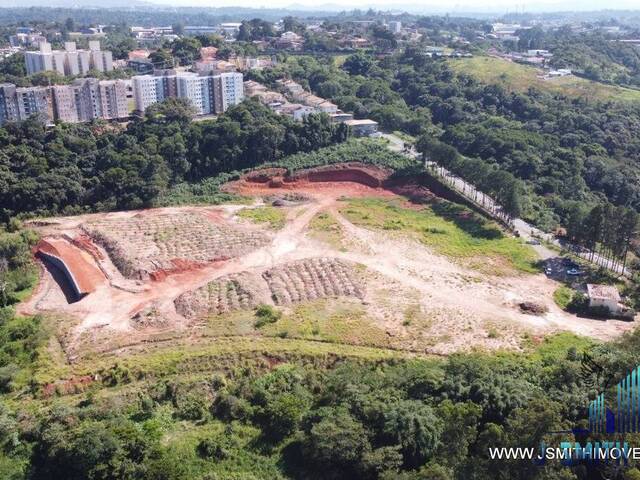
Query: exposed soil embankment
{"type": "Point", "coordinates": [83, 277]}
{"type": "Point", "coordinates": [354, 172]}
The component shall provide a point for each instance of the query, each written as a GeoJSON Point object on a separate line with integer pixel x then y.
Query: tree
{"type": "Point", "coordinates": [358, 64]}
{"type": "Point", "coordinates": [414, 426]}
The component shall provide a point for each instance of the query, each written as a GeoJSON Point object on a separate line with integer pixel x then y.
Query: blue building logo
{"type": "Point", "coordinates": [626, 419]}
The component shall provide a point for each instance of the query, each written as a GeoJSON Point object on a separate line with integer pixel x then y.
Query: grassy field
{"type": "Point", "coordinates": [449, 229]}
{"type": "Point", "coordinates": [518, 77]}
{"type": "Point", "coordinates": [325, 228]}
{"type": "Point", "coordinates": [271, 216]}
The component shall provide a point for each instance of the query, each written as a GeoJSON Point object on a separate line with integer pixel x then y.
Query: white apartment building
{"type": "Point", "coordinates": [208, 94]}
{"type": "Point", "coordinates": [199, 90]}
{"type": "Point", "coordinates": [147, 90]}
{"type": "Point", "coordinates": [228, 90]}
{"type": "Point", "coordinates": [69, 61]}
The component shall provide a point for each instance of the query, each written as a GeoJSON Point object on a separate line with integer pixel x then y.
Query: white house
{"type": "Point", "coordinates": [606, 296]}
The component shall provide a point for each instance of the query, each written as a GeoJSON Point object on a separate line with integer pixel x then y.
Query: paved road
{"type": "Point", "coordinates": [527, 231]}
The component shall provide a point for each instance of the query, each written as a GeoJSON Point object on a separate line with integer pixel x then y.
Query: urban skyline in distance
{"type": "Point", "coordinates": [430, 7]}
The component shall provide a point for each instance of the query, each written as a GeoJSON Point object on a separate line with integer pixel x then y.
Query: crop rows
{"type": "Point", "coordinates": [144, 244]}
{"type": "Point", "coordinates": [310, 279]}
{"type": "Point", "coordinates": [228, 293]}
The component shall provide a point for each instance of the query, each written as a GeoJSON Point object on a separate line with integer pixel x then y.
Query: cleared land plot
{"type": "Point", "coordinates": [144, 244]}
{"type": "Point", "coordinates": [450, 229]}
{"type": "Point", "coordinates": [271, 216]}
{"type": "Point", "coordinates": [310, 279]}
{"type": "Point", "coordinates": [226, 294]}
{"type": "Point", "coordinates": [518, 77]}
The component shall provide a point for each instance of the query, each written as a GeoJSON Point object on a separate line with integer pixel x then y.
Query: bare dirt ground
{"type": "Point", "coordinates": [422, 301]}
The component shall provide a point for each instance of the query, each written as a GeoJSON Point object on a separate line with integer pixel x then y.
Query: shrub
{"type": "Point", "coordinates": [212, 448]}
{"type": "Point", "coordinates": [266, 314]}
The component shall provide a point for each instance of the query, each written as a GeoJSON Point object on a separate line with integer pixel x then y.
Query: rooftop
{"type": "Point", "coordinates": [603, 292]}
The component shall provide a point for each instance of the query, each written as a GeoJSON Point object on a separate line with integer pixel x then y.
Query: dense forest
{"type": "Point", "coordinates": [74, 168]}
{"type": "Point", "coordinates": [563, 149]}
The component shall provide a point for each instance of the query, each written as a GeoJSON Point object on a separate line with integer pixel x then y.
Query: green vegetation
{"type": "Point", "coordinates": [266, 314]}
{"type": "Point", "coordinates": [85, 167]}
{"type": "Point", "coordinates": [519, 78]}
{"type": "Point", "coordinates": [324, 227]}
{"type": "Point", "coordinates": [274, 217]}
{"type": "Point", "coordinates": [448, 228]}
{"type": "Point", "coordinates": [563, 296]}
{"type": "Point", "coordinates": [336, 322]}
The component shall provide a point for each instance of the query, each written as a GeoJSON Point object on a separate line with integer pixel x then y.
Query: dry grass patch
{"type": "Point", "coordinates": [325, 228]}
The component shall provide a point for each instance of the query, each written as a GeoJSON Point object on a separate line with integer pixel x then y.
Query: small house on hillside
{"type": "Point", "coordinates": [362, 128]}
{"type": "Point", "coordinates": [604, 296]}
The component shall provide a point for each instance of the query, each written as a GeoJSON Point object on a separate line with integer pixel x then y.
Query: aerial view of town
{"type": "Point", "coordinates": [324, 242]}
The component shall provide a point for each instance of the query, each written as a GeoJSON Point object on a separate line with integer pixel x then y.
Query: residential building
{"type": "Point", "coordinates": [208, 93]}
{"type": "Point", "coordinates": [69, 61]}
{"type": "Point", "coordinates": [604, 296]}
{"type": "Point", "coordinates": [362, 128]}
{"type": "Point", "coordinates": [199, 91]}
{"type": "Point", "coordinates": [229, 90]}
{"type": "Point", "coordinates": [113, 98]}
{"type": "Point", "coordinates": [8, 103]}
{"type": "Point", "coordinates": [395, 26]}
{"type": "Point", "coordinates": [34, 101]}
{"type": "Point", "coordinates": [147, 90]}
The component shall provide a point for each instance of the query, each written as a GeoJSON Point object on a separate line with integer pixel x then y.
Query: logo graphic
{"type": "Point", "coordinates": [627, 416]}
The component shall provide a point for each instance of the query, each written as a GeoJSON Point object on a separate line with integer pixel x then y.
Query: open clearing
{"type": "Point", "coordinates": [518, 77]}
{"type": "Point", "coordinates": [348, 263]}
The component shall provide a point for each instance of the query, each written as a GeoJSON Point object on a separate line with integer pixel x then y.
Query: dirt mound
{"type": "Point", "coordinates": [83, 276]}
{"type": "Point", "coordinates": [228, 293]}
{"type": "Point", "coordinates": [354, 172]}
{"type": "Point", "coordinates": [154, 245]}
{"type": "Point", "coordinates": [313, 278]}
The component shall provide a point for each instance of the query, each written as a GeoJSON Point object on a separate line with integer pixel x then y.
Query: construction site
{"type": "Point", "coordinates": [120, 282]}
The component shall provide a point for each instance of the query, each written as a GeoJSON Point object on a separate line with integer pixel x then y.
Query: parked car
{"type": "Point", "coordinates": [548, 271]}
{"type": "Point", "coordinates": [574, 272]}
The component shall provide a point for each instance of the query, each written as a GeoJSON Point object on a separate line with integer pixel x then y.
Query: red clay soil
{"type": "Point", "coordinates": [84, 242]}
{"type": "Point", "coordinates": [354, 172]}
{"type": "Point", "coordinates": [87, 276]}
{"type": "Point", "coordinates": [350, 178]}
{"type": "Point", "coordinates": [181, 265]}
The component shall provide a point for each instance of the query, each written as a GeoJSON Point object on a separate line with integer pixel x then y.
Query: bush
{"type": "Point", "coordinates": [212, 448]}
{"type": "Point", "coordinates": [266, 314]}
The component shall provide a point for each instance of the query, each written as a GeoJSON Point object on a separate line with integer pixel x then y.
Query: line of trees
{"type": "Point", "coordinates": [496, 190]}
{"type": "Point", "coordinates": [605, 230]}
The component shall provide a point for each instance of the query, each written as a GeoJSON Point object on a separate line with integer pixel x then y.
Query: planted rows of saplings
{"type": "Point", "coordinates": [226, 294]}
{"type": "Point", "coordinates": [312, 278]}
{"type": "Point", "coordinates": [144, 244]}
{"type": "Point", "coordinates": [299, 281]}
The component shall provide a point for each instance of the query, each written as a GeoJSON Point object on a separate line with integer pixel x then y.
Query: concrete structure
{"type": "Point", "coordinates": [34, 101]}
{"type": "Point", "coordinates": [199, 91]}
{"type": "Point", "coordinates": [228, 90]}
{"type": "Point", "coordinates": [604, 296]}
{"type": "Point", "coordinates": [8, 103]}
{"type": "Point", "coordinates": [69, 61]}
{"type": "Point", "coordinates": [147, 90]}
{"type": "Point", "coordinates": [362, 128]}
{"type": "Point", "coordinates": [395, 26]}
{"type": "Point", "coordinates": [208, 94]}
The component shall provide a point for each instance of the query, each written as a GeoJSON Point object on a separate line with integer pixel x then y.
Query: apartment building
{"type": "Point", "coordinates": [69, 61]}
{"type": "Point", "coordinates": [84, 100]}
{"type": "Point", "coordinates": [228, 90]}
{"type": "Point", "coordinates": [208, 94]}
{"type": "Point", "coordinates": [34, 101]}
